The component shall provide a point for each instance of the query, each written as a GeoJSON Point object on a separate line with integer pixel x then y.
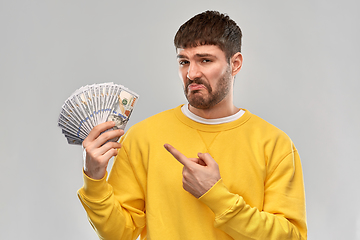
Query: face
{"type": "Point", "coordinates": [206, 75]}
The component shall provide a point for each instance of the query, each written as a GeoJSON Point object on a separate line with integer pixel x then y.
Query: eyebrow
{"type": "Point", "coordinates": [199, 55]}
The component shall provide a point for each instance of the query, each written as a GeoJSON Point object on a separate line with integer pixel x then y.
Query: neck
{"type": "Point", "coordinates": [224, 108]}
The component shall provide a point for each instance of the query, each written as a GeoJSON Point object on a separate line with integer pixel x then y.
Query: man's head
{"type": "Point", "coordinates": [208, 52]}
{"type": "Point", "coordinates": [210, 28]}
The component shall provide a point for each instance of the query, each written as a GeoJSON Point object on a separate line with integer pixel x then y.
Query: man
{"type": "Point", "coordinates": [204, 170]}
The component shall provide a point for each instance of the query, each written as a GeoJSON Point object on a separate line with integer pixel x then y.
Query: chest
{"type": "Point", "coordinates": [241, 163]}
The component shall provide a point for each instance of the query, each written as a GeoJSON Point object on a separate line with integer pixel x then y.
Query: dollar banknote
{"type": "Point", "coordinates": [93, 104]}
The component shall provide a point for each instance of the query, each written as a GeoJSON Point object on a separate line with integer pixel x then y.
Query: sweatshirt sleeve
{"type": "Point", "coordinates": [283, 214]}
{"type": "Point", "coordinates": [114, 214]}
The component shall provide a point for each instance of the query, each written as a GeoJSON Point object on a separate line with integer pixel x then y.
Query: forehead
{"type": "Point", "coordinates": [202, 50]}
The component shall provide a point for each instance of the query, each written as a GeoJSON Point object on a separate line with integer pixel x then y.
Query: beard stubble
{"type": "Point", "coordinates": [198, 100]}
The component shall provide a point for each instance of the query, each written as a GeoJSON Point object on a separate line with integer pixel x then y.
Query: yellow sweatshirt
{"type": "Point", "coordinates": [260, 195]}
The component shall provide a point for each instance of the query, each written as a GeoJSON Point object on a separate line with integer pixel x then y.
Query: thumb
{"type": "Point", "coordinates": [198, 161]}
{"type": "Point", "coordinates": [207, 159]}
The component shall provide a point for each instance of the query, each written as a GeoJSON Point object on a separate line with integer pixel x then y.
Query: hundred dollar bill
{"type": "Point", "coordinates": [66, 125]}
{"type": "Point", "coordinates": [75, 114]}
{"type": "Point", "coordinates": [84, 121]}
{"type": "Point", "coordinates": [122, 108]}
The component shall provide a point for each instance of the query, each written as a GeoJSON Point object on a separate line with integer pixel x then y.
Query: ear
{"type": "Point", "coordinates": [236, 63]}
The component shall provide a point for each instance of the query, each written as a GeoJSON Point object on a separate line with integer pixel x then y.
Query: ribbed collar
{"type": "Point", "coordinates": [196, 118]}
{"type": "Point", "coordinates": [211, 128]}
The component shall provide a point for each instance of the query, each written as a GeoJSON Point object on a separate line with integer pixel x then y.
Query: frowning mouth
{"type": "Point", "coordinates": [195, 86]}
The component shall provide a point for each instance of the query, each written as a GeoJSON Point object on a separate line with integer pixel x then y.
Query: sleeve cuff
{"type": "Point", "coordinates": [219, 199]}
{"type": "Point", "coordinates": [95, 189]}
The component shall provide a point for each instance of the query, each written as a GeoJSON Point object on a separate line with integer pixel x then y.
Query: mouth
{"type": "Point", "coordinates": [195, 87]}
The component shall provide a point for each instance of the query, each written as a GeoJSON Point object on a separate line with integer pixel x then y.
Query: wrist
{"type": "Point", "coordinates": [219, 198]}
{"type": "Point", "coordinates": [96, 173]}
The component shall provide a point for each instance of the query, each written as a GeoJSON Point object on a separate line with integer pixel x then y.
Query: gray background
{"type": "Point", "coordinates": [300, 73]}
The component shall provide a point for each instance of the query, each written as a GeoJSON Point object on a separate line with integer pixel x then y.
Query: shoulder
{"type": "Point", "coordinates": [269, 135]}
{"type": "Point", "coordinates": [156, 120]}
{"type": "Point", "coordinates": [153, 124]}
{"type": "Point", "coordinates": [276, 144]}
{"type": "Point", "coordinates": [263, 127]}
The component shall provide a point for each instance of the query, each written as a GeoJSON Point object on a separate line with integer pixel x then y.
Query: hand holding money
{"type": "Point", "coordinates": [91, 105]}
{"type": "Point", "coordinates": [99, 150]}
{"type": "Point", "coordinates": [95, 116]}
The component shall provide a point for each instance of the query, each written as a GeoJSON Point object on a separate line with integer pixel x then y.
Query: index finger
{"type": "Point", "coordinates": [178, 155]}
{"type": "Point", "coordinates": [98, 129]}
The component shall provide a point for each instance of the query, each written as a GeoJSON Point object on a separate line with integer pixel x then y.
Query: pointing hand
{"type": "Point", "coordinates": [199, 174]}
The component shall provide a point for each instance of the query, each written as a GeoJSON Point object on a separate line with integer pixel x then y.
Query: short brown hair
{"type": "Point", "coordinates": [210, 28]}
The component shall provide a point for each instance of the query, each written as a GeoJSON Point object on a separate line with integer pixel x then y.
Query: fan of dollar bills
{"type": "Point", "coordinates": [94, 104]}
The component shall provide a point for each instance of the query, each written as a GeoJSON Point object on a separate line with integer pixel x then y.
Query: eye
{"type": "Point", "coordinates": [206, 60]}
{"type": "Point", "coordinates": [183, 62]}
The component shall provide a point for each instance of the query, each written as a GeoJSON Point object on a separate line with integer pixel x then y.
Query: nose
{"type": "Point", "coordinates": [193, 71]}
